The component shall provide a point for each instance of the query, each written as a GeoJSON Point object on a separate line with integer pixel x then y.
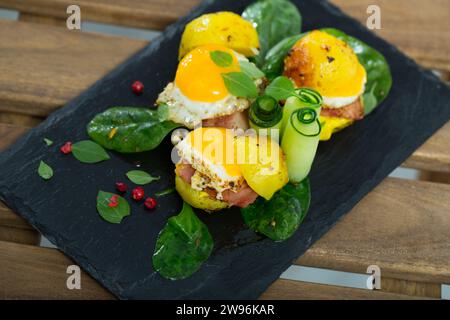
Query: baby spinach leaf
{"type": "Point", "coordinates": [251, 70]}
{"type": "Point", "coordinates": [129, 129]}
{"type": "Point", "coordinates": [281, 88]}
{"type": "Point", "coordinates": [112, 214]}
{"type": "Point", "coordinates": [140, 177]}
{"type": "Point", "coordinates": [379, 78]}
{"type": "Point", "coordinates": [274, 20]}
{"type": "Point", "coordinates": [45, 171]}
{"type": "Point", "coordinates": [87, 151]}
{"type": "Point", "coordinates": [182, 246]}
{"type": "Point", "coordinates": [240, 85]}
{"type": "Point", "coordinates": [48, 142]}
{"type": "Point", "coordinates": [274, 60]}
{"type": "Point", "coordinates": [279, 217]}
{"type": "Point", "coordinates": [221, 58]}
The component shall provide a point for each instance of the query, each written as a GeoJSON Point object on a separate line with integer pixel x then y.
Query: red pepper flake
{"type": "Point", "coordinates": [150, 203]}
{"type": "Point", "coordinates": [121, 187]}
{"type": "Point", "coordinates": [113, 201]}
{"type": "Point", "coordinates": [66, 148]}
{"type": "Point", "coordinates": [138, 193]}
{"type": "Point", "coordinates": [137, 87]}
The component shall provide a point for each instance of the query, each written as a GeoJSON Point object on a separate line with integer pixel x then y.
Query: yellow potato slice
{"type": "Point", "coordinates": [262, 164]}
{"type": "Point", "coordinates": [223, 28]}
{"type": "Point", "coordinates": [197, 199]}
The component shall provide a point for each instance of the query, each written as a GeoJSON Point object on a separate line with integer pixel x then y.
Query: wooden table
{"type": "Point", "coordinates": [43, 65]}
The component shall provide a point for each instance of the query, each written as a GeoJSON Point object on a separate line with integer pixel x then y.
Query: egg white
{"type": "Point", "coordinates": [191, 113]}
{"type": "Point", "coordinates": [339, 102]}
{"type": "Point", "coordinates": [208, 174]}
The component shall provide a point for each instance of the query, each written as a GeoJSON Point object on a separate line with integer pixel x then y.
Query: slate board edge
{"type": "Point", "coordinates": [173, 28]}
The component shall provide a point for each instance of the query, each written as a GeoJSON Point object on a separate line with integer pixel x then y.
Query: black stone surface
{"type": "Point", "coordinates": [243, 264]}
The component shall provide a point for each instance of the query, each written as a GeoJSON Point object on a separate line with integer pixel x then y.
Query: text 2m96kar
{"type": "Point", "coordinates": [227, 309]}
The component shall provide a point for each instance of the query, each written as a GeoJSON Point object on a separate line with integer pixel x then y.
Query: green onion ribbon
{"type": "Point", "coordinates": [265, 112]}
{"type": "Point", "coordinates": [309, 96]}
{"type": "Point", "coordinates": [305, 116]}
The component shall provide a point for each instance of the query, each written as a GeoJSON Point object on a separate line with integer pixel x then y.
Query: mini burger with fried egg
{"type": "Point", "coordinates": [217, 170]}
{"type": "Point", "coordinates": [199, 96]}
{"type": "Point", "coordinates": [329, 65]}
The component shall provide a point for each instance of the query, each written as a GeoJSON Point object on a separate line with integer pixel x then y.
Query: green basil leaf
{"type": "Point", "coordinates": [274, 61]}
{"type": "Point", "coordinates": [135, 129]}
{"type": "Point", "coordinates": [48, 142]}
{"type": "Point", "coordinates": [88, 151]}
{"type": "Point", "coordinates": [251, 70]}
{"type": "Point", "coordinates": [221, 58]}
{"type": "Point", "coordinates": [279, 217]}
{"type": "Point", "coordinates": [379, 78]}
{"type": "Point", "coordinates": [274, 20]}
{"type": "Point", "coordinates": [281, 88]}
{"type": "Point", "coordinates": [112, 214]}
{"type": "Point", "coordinates": [140, 177]}
{"type": "Point", "coordinates": [182, 246]}
{"type": "Point", "coordinates": [45, 171]}
{"type": "Point", "coordinates": [240, 85]}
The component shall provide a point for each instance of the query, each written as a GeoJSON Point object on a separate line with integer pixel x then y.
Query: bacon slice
{"type": "Point", "coordinates": [242, 198]}
{"type": "Point", "coordinates": [353, 111]}
{"type": "Point", "coordinates": [185, 171]}
{"type": "Point", "coordinates": [237, 120]}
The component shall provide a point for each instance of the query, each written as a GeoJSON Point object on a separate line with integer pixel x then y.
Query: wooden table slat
{"type": "Point", "coordinates": [402, 226]}
{"type": "Point", "coordinates": [49, 66]}
{"type": "Point", "coordinates": [431, 51]}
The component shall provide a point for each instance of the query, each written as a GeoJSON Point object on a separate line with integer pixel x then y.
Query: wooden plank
{"type": "Point", "coordinates": [154, 14]}
{"type": "Point", "coordinates": [403, 21]}
{"type": "Point", "coordinates": [402, 226]}
{"type": "Point", "coordinates": [297, 290]}
{"type": "Point", "coordinates": [433, 155]}
{"type": "Point", "coordinates": [30, 272]}
{"type": "Point", "coordinates": [19, 235]}
{"type": "Point", "coordinates": [49, 66]}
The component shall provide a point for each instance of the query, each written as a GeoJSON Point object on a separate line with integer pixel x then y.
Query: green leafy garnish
{"type": "Point", "coordinates": [250, 69]}
{"type": "Point", "coordinates": [240, 85]}
{"type": "Point", "coordinates": [140, 177]}
{"type": "Point", "coordinates": [88, 151]}
{"type": "Point", "coordinates": [274, 20]}
{"type": "Point", "coordinates": [48, 142]}
{"type": "Point", "coordinates": [281, 88]}
{"type": "Point", "coordinates": [221, 58]}
{"type": "Point", "coordinates": [274, 60]}
{"type": "Point", "coordinates": [129, 129]}
{"type": "Point", "coordinates": [45, 171]}
{"type": "Point", "coordinates": [370, 101]}
{"type": "Point", "coordinates": [182, 246]}
{"type": "Point", "coordinates": [279, 217]}
{"type": "Point", "coordinates": [112, 214]}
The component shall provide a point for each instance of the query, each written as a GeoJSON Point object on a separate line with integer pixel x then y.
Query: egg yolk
{"type": "Point", "coordinates": [216, 145]}
{"type": "Point", "coordinates": [199, 78]}
{"type": "Point", "coordinates": [327, 64]}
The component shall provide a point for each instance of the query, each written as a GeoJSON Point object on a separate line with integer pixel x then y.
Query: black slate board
{"type": "Point", "coordinates": [243, 264]}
